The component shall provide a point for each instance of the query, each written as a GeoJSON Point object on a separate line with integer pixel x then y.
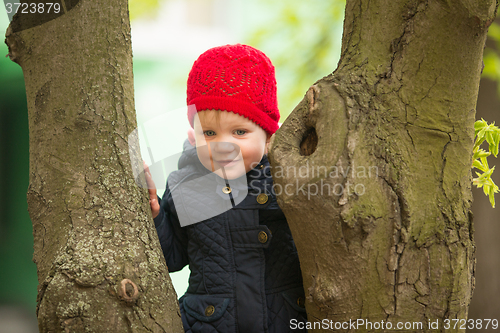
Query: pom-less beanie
{"type": "Point", "coordinates": [236, 78]}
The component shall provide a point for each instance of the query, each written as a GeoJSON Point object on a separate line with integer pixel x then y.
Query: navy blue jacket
{"type": "Point", "coordinates": [245, 273]}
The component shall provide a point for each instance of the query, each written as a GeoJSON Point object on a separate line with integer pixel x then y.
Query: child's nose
{"type": "Point", "coordinates": [224, 147]}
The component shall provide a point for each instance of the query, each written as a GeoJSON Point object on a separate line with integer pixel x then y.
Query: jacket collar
{"type": "Point", "coordinates": [261, 171]}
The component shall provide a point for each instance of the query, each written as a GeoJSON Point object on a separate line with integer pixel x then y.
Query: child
{"type": "Point", "coordinates": [245, 273]}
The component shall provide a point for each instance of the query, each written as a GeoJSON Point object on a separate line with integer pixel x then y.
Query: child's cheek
{"type": "Point", "coordinates": [204, 156]}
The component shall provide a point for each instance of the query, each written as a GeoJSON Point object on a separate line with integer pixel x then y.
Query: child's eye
{"type": "Point", "coordinates": [209, 133]}
{"type": "Point", "coordinates": [240, 132]}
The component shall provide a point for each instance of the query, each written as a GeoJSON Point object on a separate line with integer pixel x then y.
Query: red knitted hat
{"type": "Point", "coordinates": [236, 78]}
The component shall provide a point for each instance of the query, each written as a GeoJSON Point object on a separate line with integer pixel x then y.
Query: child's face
{"type": "Point", "coordinates": [228, 144]}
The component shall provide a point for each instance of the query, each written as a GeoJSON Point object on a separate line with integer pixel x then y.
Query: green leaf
{"type": "Point", "coordinates": [479, 182]}
{"type": "Point", "coordinates": [481, 153]}
{"type": "Point", "coordinates": [489, 172]}
{"type": "Point", "coordinates": [481, 134]}
{"type": "Point", "coordinates": [492, 197]}
{"type": "Point", "coordinates": [489, 138]}
{"type": "Point", "coordinates": [483, 178]}
{"type": "Point", "coordinates": [477, 164]}
{"type": "Point", "coordinates": [486, 189]}
{"type": "Point", "coordinates": [484, 162]}
{"type": "Point", "coordinates": [479, 125]}
{"type": "Point", "coordinates": [478, 143]}
{"type": "Point", "coordinates": [496, 139]}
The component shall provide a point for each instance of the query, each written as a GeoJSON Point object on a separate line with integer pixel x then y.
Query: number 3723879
{"type": "Point", "coordinates": [471, 324]}
{"type": "Point", "coordinates": [33, 8]}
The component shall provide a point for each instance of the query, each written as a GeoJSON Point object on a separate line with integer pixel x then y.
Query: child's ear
{"type": "Point", "coordinates": [191, 138]}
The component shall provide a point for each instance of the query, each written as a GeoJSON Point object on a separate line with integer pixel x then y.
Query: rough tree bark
{"type": "Point", "coordinates": [99, 262]}
{"type": "Point", "coordinates": [393, 125]}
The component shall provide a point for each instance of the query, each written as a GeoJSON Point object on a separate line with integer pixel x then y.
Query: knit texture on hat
{"type": "Point", "coordinates": [236, 78]}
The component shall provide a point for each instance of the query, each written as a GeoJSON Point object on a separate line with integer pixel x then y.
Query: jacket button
{"type": "Point", "coordinates": [226, 189]}
{"type": "Point", "coordinates": [261, 166]}
{"type": "Point", "coordinates": [262, 237]}
{"type": "Point", "coordinates": [300, 302]}
{"type": "Point", "coordinates": [209, 310]}
{"type": "Point", "coordinates": [262, 198]}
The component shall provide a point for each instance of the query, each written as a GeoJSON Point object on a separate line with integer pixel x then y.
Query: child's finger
{"type": "Point", "coordinates": [150, 183]}
{"type": "Point", "coordinates": [145, 166]}
{"type": "Point", "coordinates": [153, 198]}
{"type": "Point", "coordinates": [149, 179]}
{"type": "Point", "coordinates": [153, 201]}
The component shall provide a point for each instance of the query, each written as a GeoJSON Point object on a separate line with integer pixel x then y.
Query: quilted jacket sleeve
{"type": "Point", "coordinates": [173, 238]}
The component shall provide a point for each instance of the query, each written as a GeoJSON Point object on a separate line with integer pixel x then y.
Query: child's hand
{"type": "Point", "coordinates": [153, 198]}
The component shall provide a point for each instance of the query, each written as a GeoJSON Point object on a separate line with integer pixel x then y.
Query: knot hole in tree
{"type": "Point", "coordinates": [309, 142]}
{"type": "Point", "coordinates": [128, 291]}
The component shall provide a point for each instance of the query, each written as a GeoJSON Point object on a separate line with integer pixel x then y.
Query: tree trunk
{"type": "Point", "coordinates": [379, 195]}
{"type": "Point", "coordinates": [99, 262]}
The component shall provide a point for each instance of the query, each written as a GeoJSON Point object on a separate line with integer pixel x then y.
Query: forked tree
{"type": "Point", "coordinates": [372, 169]}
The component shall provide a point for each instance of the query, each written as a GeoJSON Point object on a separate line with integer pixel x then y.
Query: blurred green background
{"type": "Point", "coordinates": [302, 38]}
{"type": "Point", "coordinates": [18, 280]}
